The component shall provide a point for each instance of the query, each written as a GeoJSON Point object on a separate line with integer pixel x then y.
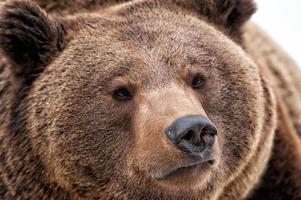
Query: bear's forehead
{"type": "Point", "coordinates": [147, 46]}
{"type": "Point", "coordinates": [156, 37]}
{"type": "Point", "coordinates": [147, 32]}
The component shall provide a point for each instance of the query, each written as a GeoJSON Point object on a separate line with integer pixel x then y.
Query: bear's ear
{"type": "Point", "coordinates": [29, 38]}
{"type": "Point", "coordinates": [228, 15]}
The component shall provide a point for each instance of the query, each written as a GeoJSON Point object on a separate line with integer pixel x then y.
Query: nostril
{"type": "Point", "coordinates": [188, 136]}
{"type": "Point", "coordinates": [192, 137]}
{"type": "Point", "coordinates": [206, 138]}
{"type": "Point", "coordinates": [207, 135]}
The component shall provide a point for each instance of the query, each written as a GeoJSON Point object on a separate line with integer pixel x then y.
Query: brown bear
{"type": "Point", "coordinates": [145, 99]}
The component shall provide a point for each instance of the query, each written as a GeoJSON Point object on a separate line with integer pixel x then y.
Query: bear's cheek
{"type": "Point", "coordinates": [90, 144]}
{"type": "Point", "coordinates": [235, 107]}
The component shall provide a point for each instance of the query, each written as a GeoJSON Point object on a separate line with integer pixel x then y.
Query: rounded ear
{"type": "Point", "coordinates": [29, 38]}
{"type": "Point", "coordinates": [227, 15]}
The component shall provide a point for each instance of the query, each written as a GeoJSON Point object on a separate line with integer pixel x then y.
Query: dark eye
{"type": "Point", "coordinates": [197, 82]}
{"type": "Point", "coordinates": [122, 94]}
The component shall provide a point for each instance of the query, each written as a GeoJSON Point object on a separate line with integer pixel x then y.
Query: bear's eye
{"type": "Point", "coordinates": [122, 94]}
{"type": "Point", "coordinates": [197, 82]}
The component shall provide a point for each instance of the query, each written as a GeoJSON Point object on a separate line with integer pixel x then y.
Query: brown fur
{"type": "Point", "coordinates": [63, 135]}
{"type": "Point", "coordinates": [282, 180]}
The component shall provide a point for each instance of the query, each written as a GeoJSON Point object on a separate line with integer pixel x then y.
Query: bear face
{"type": "Point", "coordinates": [102, 108]}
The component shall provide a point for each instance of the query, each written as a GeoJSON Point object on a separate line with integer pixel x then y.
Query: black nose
{"type": "Point", "coordinates": [192, 134]}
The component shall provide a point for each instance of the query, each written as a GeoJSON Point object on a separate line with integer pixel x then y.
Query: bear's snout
{"type": "Point", "coordinates": [192, 134]}
{"type": "Point", "coordinates": [176, 143]}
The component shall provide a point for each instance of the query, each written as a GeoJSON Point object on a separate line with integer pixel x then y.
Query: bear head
{"type": "Point", "coordinates": [147, 99]}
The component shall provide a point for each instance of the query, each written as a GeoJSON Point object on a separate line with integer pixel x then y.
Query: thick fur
{"type": "Point", "coordinates": [63, 135]}
{"type": "Point", "coordinates": [282, 179]}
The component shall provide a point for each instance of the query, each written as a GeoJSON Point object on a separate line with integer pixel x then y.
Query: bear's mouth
{"type": "Point", "coordinates": [187, 169]}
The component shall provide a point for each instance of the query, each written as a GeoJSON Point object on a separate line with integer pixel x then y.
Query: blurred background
{"type": "Point", "coordinates": [282, 20]}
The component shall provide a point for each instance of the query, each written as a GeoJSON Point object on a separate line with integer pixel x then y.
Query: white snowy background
{"type": "Point", "coordinates": [282, 20]}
